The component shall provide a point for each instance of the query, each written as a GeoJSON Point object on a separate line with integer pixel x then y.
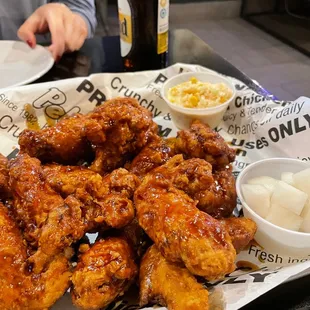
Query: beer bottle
{"type": "Point", "coordinates": [144, 28]}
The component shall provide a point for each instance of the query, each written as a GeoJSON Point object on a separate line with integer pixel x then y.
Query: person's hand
{"type": "Point", "coordinates": [68, 30]}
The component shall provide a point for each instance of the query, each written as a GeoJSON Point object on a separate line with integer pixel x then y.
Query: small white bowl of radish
{"type": "Point", "coordinates": [275, 193]}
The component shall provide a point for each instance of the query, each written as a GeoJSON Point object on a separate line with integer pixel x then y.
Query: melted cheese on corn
{"type": "Point", "coordinates": [196, 94]}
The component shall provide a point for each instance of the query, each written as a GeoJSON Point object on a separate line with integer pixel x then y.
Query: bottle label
{"type": "Point", "coordinates": [125, 24]}
{"type": "Point", "coordinates": [163, 26]}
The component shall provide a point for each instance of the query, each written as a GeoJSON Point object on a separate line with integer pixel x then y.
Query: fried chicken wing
{"type": "Point", "coordinates": [117, 130]}
{"type": "Point", "coordinates": [200, 141]}
{"type": "Point", "coordinates": [215, 193]}
{"type": "Point", "coordinates": [12, 256]}
{"type": "Point", "coordinates": [20, 289]}
{"type": "Point", "coordinates": [127, 128]}
{"type": "Point", "coordinates": [68, 180]}
{"type": "Point", "coordinates": [136, 238]}
{"type": "Point", "coordinates": [225, 190]}
{"type": "Point", "coordinates": [57, 205]}
{"type": "Point", "coordinates": [169, 284]}
{"type": "Point", "coordinates": [106, 199]}
{"type": "Point", "coordinates": [4, 178]}
{"type": "Point", "coordinates": [241, 231]}
{"type": "Point", "coordinates": [33, 198]}
{"type": "Point", "coordinates": [65, 143]}
{"type": "Point", "coordinates": [103, 273]}
{"type": "Point", "coordinates": [182, 233]}
{"type": "Point", "coordinates": [153, 155]}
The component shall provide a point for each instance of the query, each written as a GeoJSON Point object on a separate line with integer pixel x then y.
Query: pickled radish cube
{"type": "Point", "coordinates": [289, 197]}
{"type": "Point", "coordinates": [306, 209]}
{"type": "Point", "coordinates": [302, 180]}
{"type": "Point", "coordinates": [268, 182]}
{"type": "Point", "coordinates": [257, 197]}
{"type": "Point", "coordinates": [305, 214]}
{"type": "Point", "coordinates": [287, 177]}
{"type": "Point", "coordinates": [284, 218]}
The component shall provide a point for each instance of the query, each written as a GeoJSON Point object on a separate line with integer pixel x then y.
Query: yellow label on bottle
{"type": "Point", "coordinates": [163, 26]}
{"type": "Point", "coordinates": [162, 44]}
{"type": "Point", "coordinates": [125, 25]}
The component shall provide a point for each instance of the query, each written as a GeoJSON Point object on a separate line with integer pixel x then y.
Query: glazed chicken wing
{"type": "Point", "coordinates": [57, 205]}
{"type": "Point", "coordinates": [215, 193]}
{"type": "Point", "coordinates": [64, 143]}
{"type": "Point", "coordinates": [153, 155]}
{"type": "Point", "coordinates": [117, 130]}
{"type": "Point", "coordinates": [103, 273]}
{"type": "Point", "coordinates": [169, 284]}
{"type": "Point", "coordinates": [12, 256]}
{"type": "Point", "coordinates": [20, 289]}
{"type": "Point", "coordinates": [241, 231]}
{"type": "Point", "coordinates": [4, 178]}
{"type": "Point", "coordinates": [33, 198]}
{"type": "Point", "coordinates": [182, 233]}
{"type": "Point", "coordinates": [105, 199]}
{"type": "Point", "coordinates": [68, 180]}
{"type": "Point", "coordinates": [200, 141]}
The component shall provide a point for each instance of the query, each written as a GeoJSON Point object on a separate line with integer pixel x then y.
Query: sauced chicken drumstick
{"type": "Point", "coordinates": [200, 141]}
{"type": "Point", "coordinates": [115, 131]}
{"type": "Point", "coordinates": [169, 284]}
{"type": "Point", "coordinates": [4, 178]}
{"type": "Point", "coordinates": [155, 154]}
{"type": "Point", "coordinates": [241, 231]}
{"type": "Point", "coordinates": [182, 233]}
{"type": "Point", "coordinates": [215, 193]}
{"type": "Point", "coordinates": [21, 289]}
{"type": "Point", "coordinates": [103, 273]}
{"type": "Point", "coordinates": [52, 222]}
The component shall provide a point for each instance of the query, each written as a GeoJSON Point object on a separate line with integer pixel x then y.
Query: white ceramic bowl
{"type": "Point", "coordinates": [269, 236]}
{"type": "Point", "coordinates": [183, 117]}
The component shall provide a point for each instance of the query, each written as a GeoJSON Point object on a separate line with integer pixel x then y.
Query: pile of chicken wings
{"type": "Point", "coordinates": [162, 209]}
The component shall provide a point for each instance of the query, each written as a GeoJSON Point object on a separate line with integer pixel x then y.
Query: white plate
{"type": "Point", "coordinates": [20, 65]}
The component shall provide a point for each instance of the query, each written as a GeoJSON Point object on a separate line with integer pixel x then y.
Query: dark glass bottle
{"type": "Point", "coordinates": [144, 28]}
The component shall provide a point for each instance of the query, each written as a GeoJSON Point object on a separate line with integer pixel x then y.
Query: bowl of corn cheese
{"type": "Point", "coordinates": [198, 95]}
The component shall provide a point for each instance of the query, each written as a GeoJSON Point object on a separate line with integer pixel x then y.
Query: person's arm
{"type": "Point", "coordinates": [85, 8]}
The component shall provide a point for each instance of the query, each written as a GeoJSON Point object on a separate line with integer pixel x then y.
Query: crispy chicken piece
{"type": "Point", "coordinates": [169, 284]}
{"type": "Point", "coordinates": [64, 143]}
{"type": "Point", "coordinates": [21, 289]}
{"type": "Point", "coordinates": [153, 155]}
{"type": "Point", "coordinates": [68, 180]}
{"type": "Point", "coordinates": [241, 231]}
{"type": "Point", "coordinates": [107, 199]}
{"type": "Point", "coordinates": [200, 141]}
{"type": "Point", "coordinates": [103, 273]}
{"type": "Point", "coordinates": [215, 193]}
{"type": "Point", "coordinates": [136, 238]}
{"type": "Point", "coordinates": [127, 128]}
{"type": "Point", "coordinates": [33, 198]}
{"type": "Point", "coordinates": [53, 222]}
{"type": "Point", "coordinates": [182, 233]}
{"type": "Point", "coordinates": [225, 190]}
{"type": "Point", "coordinates": [109, 158]}
{"type": "Point", "coordinates": [120, 125]}
{"type": "Point", "coordinates": [4, 178]}
{"type": "Point", "coordinates": [12, 256]}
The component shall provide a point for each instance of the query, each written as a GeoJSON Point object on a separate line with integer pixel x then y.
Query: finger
{"type": "Point", "coordinates": [70, 34]}
{"type": "Point", "coordinates": [56, 27]}
{"type": "Point", "coordinates": [75, 33]}
{"type": "Point", "coordinates": [27, 30]}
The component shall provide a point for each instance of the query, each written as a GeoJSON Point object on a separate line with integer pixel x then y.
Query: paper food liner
{"type": "Point", "coordinates": [254, 125]}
